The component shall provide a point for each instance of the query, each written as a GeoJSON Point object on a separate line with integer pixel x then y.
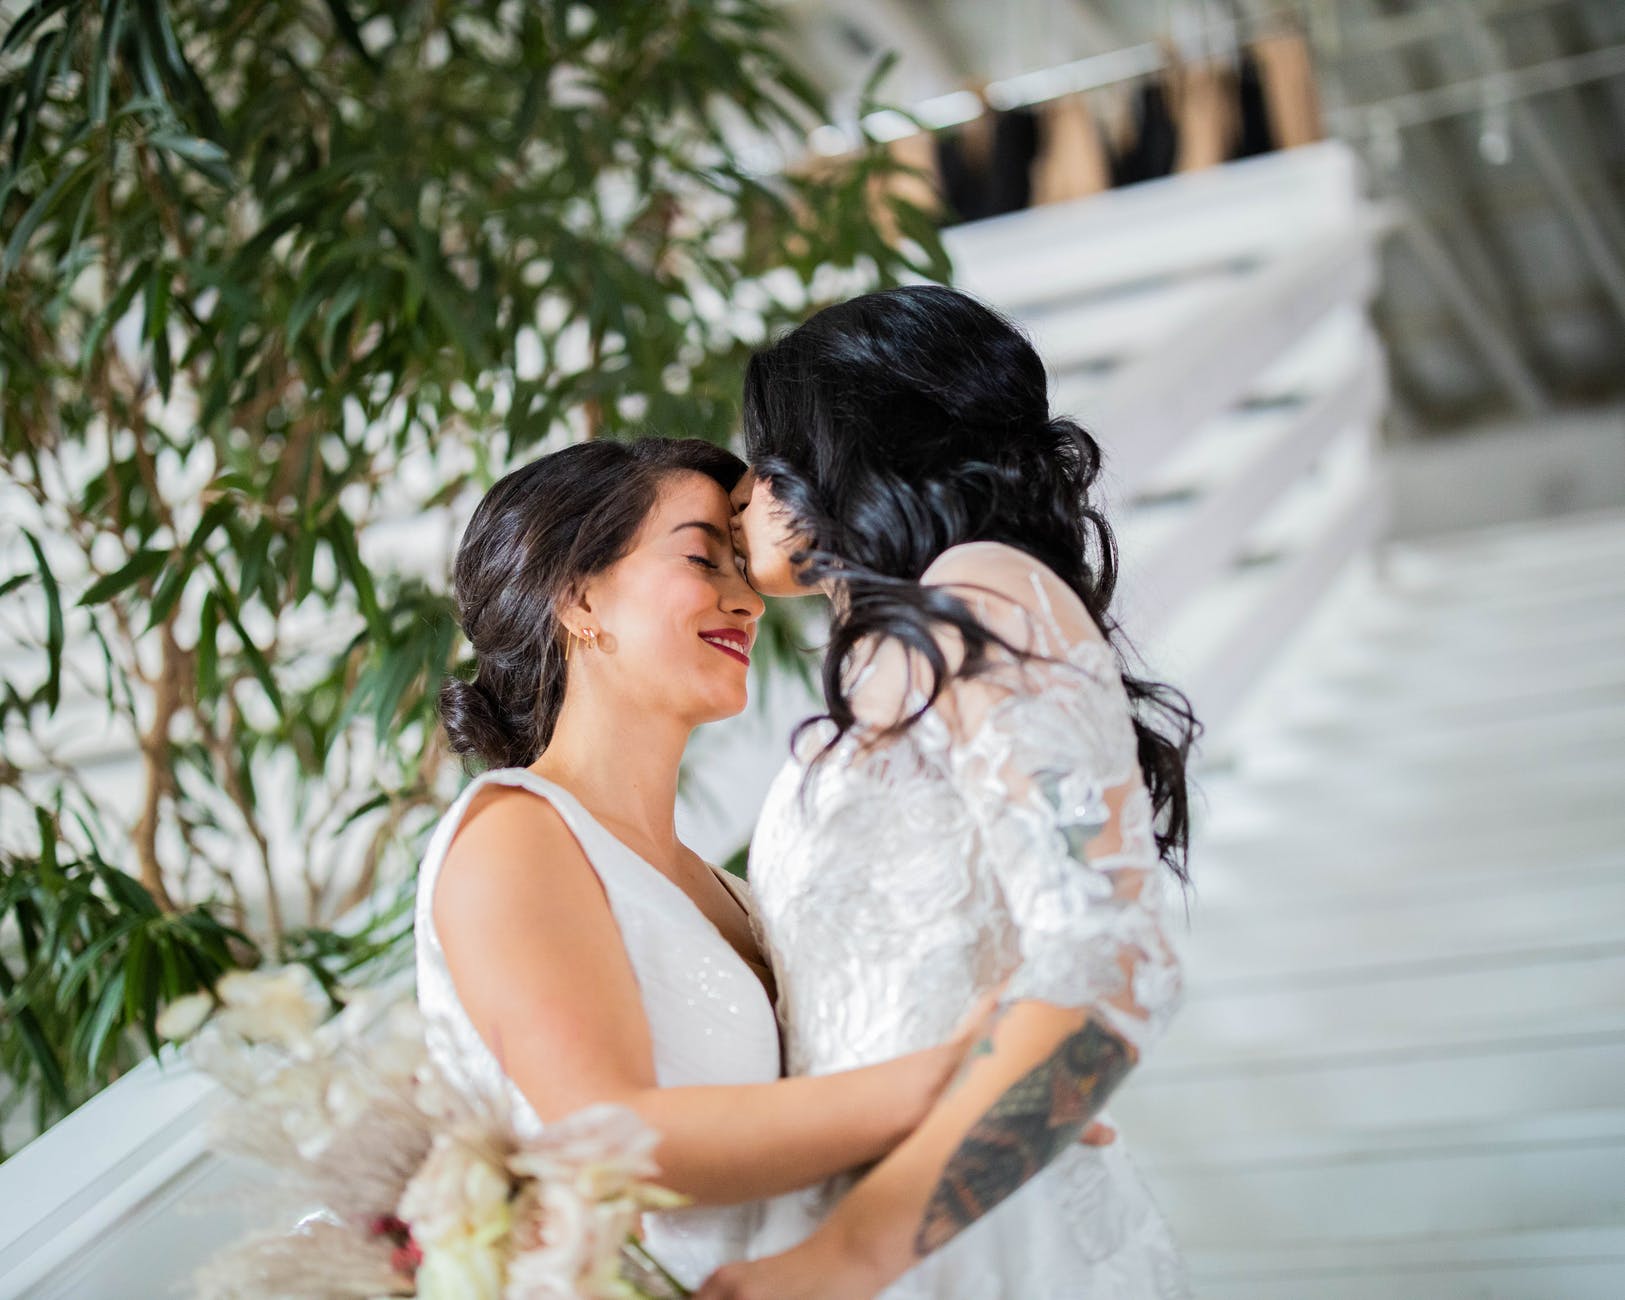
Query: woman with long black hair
{"type": "Point", "coordinates": [991, 798]}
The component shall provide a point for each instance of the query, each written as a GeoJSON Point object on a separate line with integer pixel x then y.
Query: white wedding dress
{"type": "Point", "coordinates": [906, 878]}
{"type": "Point", "coordinates": [709, 1016]}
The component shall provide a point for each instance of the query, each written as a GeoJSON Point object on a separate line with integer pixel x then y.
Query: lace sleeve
{"type": "Point", "coordinates": [1044, 754]}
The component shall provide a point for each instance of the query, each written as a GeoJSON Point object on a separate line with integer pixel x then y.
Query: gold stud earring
{"type": "Point", "coordinates": [592, 638]}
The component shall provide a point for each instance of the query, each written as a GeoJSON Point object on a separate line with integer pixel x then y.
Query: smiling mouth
{"type": "Point", "coordinates": [736, 645]}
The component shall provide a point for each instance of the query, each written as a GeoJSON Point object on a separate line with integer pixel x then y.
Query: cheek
{"type": "Point", "coordinates": [664, 611]}
{"type": "Point", "coordinates": [769, 548]}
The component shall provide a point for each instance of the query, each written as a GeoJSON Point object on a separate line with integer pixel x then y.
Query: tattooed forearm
{"type": "Point", "coordinates": [1040, 1115]}
{"type": "Point", "coordinates": [982, 1047]}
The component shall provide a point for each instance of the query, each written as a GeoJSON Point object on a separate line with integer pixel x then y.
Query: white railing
{"type": "Point", "coordinates": [1210, 329]}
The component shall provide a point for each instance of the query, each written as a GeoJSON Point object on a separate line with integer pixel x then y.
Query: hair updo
{"type": "Point", "coordinates": [901, 423]}
{"type": "Point", "coordinates": [536, 534]}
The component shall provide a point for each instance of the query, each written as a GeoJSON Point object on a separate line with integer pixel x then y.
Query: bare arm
{"type": "Point", "coordinates": [1049, 1071]}
{"type": "Point", "coordinates": [539, 965]}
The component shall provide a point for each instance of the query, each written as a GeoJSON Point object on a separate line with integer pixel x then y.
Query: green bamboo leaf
{"type": "Point", "coordinates": [36, 1042]}
{"type": "Point", "coordinates": [25, 915]}
{"type": "Point", "coordinates": [101, 70]}
{"type": "Point", "coordinates": [217, 512]}
{"type": "Point", "coordinates": [111, 314]}
{"type": "Point", "coordinates": [304, 561]}
{"type": "Point", "coordinates": [173, 982]}
{"type": "Point", "coordinates": [38, 74]}
{"type": "Point", "coordinates": [156, 317]}
{"type": "Point", "coordinates": [82, 967]}
{"type": "Point", "coordinates": [139, 974]}
{"type": "Point", "coordinates": [341, 305]}
{"type": "Point", "coordinates": [143, 564]}
{"type": "Point", "coordinates": [50, 869]}
{"type": "Point", "coordinates": [162, 368]}
{"type": "Point", "coordinates": [204, 156]}
{"type": "Point", "coordinates": [345, 23]}
{"type": "Point", "coordinates": [127, 892]}
{"type": "Point", "coordinates": [256, 658]}
{"type": "Point", "coordinates": [370, 805]}
{"type": "Point", "coordinates": [340, 534]}
{"type": "Point", "coordinates": [253, 560]}
{"type": "Point", "coordinates": [394, 676]}
{"type": "Point", "coordinates": [40, 209]}
{"type": "Point", "coordinates": [208, 629]}
{"type": "Point", "coordinates": [168, 591]}
{"type": "Point", "coordinates": [53, 624]}
{"type": "Point", "coordinates": [28, 22]}
{"type": "Point", "coordinates": [96, 1033]}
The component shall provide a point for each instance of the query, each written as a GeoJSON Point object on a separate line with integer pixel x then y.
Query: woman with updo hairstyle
{"type": "Point", "coordinates": [991, 802]}
{"type": "Point", "coordinates": [570, 948]}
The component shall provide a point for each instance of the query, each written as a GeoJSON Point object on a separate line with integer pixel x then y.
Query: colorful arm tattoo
{"type": "Point", "coordinates": [1038, 1117]}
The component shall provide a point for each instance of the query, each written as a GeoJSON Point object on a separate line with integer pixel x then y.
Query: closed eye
{"type": "Point", "coordinates": [705, 563]}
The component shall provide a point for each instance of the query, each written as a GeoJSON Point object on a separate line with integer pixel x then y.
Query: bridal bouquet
{"type": "Point", "coordinates": [389, 1182]}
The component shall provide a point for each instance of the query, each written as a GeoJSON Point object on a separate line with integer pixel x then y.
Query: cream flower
{"type": "Point", "coordinates": [281, 1006]}
{"type": "Point", "coordinates": [465, 1268]}
{"type": "Point", "coordinates": [456, 1195]}
{"type": "Point", "coordinates": [184, 1016]}
{"type": "Point", "coordinates": [585, 1198]}
{"type": "Point", "coordinates": [602, 1150]}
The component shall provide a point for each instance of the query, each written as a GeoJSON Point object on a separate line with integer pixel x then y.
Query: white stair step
{"type": "Point", "coordinates": [1445, 1083]}
{"type": "Point", "coordinates": [1570, 1264]}
{"type": "Point", "coordinates": [1435, 1005]}
{"type": "Point", "coordinates": [1532, 1173]}
{"type": "Point", "coordinates": [1573, 986]}
{"type": "Point", "coordinates": [1223, 894]}
{"type": "Point", "coordinates": [1268, 788]}
{"type": "Point", "coordinates": [1380, 813]}
{"type": "Point", "coordinates": [1342, 855]}
{"type": "Point", "coordinates": [1435, 931]}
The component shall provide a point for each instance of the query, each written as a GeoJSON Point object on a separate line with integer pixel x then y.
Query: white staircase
{"type": "Point", "coordinates": [1401, 1071]}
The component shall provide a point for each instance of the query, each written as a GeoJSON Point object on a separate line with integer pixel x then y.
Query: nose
{"type": "Point", "coordinates": [741, 598]}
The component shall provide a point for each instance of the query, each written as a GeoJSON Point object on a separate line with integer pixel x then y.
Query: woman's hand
{"type": "Point", "coordinates": [814, 1270]}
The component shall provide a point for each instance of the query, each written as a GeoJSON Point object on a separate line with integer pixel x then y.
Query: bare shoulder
{"type": "Point", "coordinates": [512, 855]}
{"type": "Point", "coordinates": [1013, 593]}
{"type": "Point", "coordinates": [974, 563]}
{"type": "Point", "coordinates": [1016, 596]}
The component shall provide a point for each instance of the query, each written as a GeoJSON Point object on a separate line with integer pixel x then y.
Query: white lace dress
{"type": "Point", "coordinates": [1008, 831]}
{"type": "Point", "coordinates": [709, 1016]}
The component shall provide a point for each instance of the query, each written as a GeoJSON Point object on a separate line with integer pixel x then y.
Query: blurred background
{"type": "Point", "coordinates": [1339, 286]}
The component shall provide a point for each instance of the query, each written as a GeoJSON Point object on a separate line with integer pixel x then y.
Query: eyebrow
{"type": "Point", "coordinates": [710, 530]}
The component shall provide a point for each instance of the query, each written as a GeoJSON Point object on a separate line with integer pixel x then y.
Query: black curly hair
{"type": "Point", "coordinates": [904, 422]}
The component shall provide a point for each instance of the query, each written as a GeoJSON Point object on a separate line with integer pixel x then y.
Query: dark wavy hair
{"type": "Point", "coordinates": [904, 422]}
{"type": "Point", "coordinates": [536, 534]}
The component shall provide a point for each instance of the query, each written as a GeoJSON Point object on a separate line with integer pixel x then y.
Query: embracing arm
{"type": "Point", "coordinates": [538, 963]}
{"type": "Point", "coordinates": [1043, 753]}
{"type": "Point", "coordinates": [1045, 1075]}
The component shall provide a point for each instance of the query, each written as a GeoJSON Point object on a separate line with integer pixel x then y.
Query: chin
{"type": "Point", "coordinates": [721, 711]}
{"type": "Point", "coordinates": [722, 700]}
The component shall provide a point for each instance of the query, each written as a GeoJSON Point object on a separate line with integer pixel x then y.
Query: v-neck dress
{"type": "Point", "coordinates": [709, 1016]}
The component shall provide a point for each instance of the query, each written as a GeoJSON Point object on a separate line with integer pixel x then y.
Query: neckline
{"type": "Point", "coordinates": [694, 908]}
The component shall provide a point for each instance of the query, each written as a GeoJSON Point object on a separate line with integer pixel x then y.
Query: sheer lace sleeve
{"type": "Point", "coordinates": [1044, 753]}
